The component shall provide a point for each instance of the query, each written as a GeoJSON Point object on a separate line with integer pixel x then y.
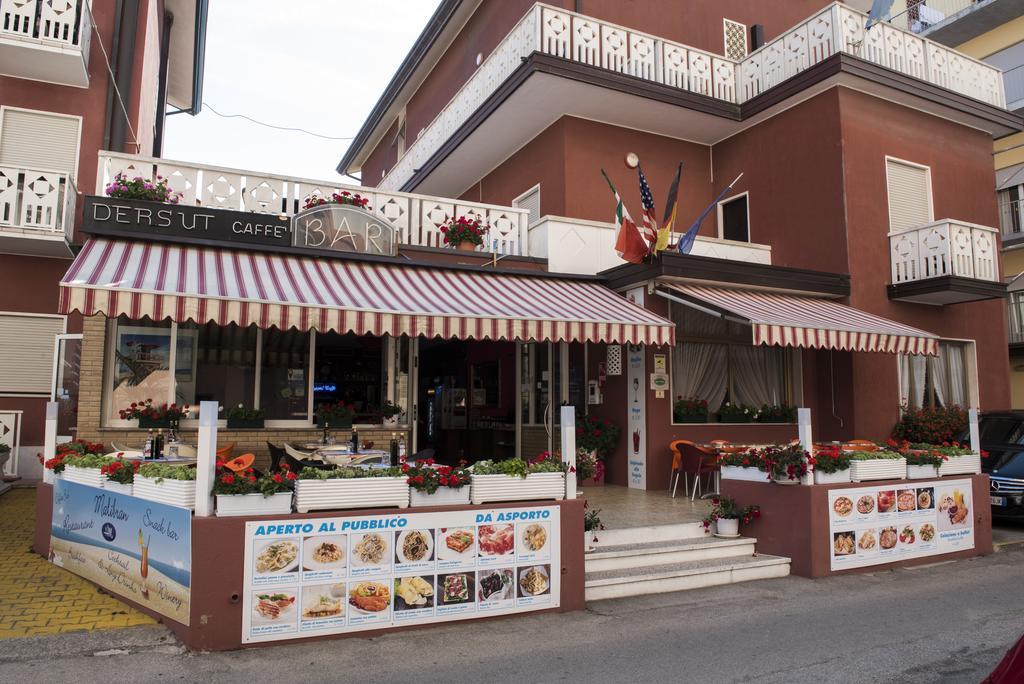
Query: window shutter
{"type": "Point", "coordinates": [531, 202]}
{"type": "Point", "coordinates": [26, 353]}
{"type": "Point", "coordinates": [35, 140]}
{"type": "Point", "coordinates": [909, 201]}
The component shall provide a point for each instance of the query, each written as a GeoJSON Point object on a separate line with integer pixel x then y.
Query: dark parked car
{"type": "Point", "coordinates": [1002, 436]}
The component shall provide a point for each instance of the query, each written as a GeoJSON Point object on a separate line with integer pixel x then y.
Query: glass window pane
{"type": "Point", "coordinates": [65, 392]}
{"type": "Point", "coordinates": [284, 375]}
{"type": "Point", "coordinates": [351, 368]}
{"type": "Point", "coordinates": [216, 363]}
{"type": "Point", "coordinates": [141, 365]}
{"type": "Point", "coordinates": [402, 377]}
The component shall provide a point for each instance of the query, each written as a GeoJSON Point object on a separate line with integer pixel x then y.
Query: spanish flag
{"type": "Point", "coordinates": [670, 213]}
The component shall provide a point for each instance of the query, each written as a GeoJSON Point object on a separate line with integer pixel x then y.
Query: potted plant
{"type": "Point", "coordinates": [516, 480]}
{"type": "Point", "coordinates": [780, 413]}
{"type": "Point", "coordinates": [787, 464]}
{"type": "Point", "coordinates": [391, 413]}
{"type": "Point", "coordinates": [86, 469]}
{"type": "Point", "coordinates": [831, 465]}
{"type": "Point", "coordinates": [138, 188]}
{"type": "Point", "coordinates": [334, 416]}
{"type": "Point", "coordinates": [690, 410]}
{"type": "Point", "coordinates": [464, 233]}
{"type": "Point", "coordinates": [922, 463]}
{"type": "Point", "coordinates": [437, 485]}
{"type": "Point", "coordinates": [930, 425]}
{"type": "Point", "coordinates": [242, 418]}
{"type": "Point", "coordinates": [245, 493]}
{"type": "Point", "coordinates": [591, 526]}
{"type": "Point", "coordinates": [151, 416]}
{"type": "Point", "coordinates": [598, 436]}
{"type": "Point", "coordinates": [344, 197]}
{"type": "Point", "coordinates": [168, 484]}
{"type": "Point", "coordinates": [958, 459]}
{"type": "Point", "coordinates": [745, 465]}
{"type": "Point", "coordinates": [589, 468]}
{"type": "Point", "coordinates": [726, 516]}
{"type": "Point", "coordinates": [877, 465]}
{"type": "Point", "coordinates": [120, 474]}
{"type": "Point", "coordinates": [735, 413]}
{"type": "Point", "coordinates": [53, 469]}
{"type": "Point", "coordinates": [350, 487]}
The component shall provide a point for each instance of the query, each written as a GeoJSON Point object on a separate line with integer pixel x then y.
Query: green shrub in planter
{"type": "Point", "coordinates": [242, 418]}
{"type": "Point", "coordinates": [735, 413]}
{"type": "Point", "coordinates": [163, 471]}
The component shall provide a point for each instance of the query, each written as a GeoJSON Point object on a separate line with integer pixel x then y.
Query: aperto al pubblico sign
{"type": "Point", "coordinates": [326, 228]}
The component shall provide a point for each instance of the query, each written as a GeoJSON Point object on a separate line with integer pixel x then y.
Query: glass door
{"type": "Point", "coordinates": [544, 387]}
{"type": "Point", "coordinates": [66, 367]}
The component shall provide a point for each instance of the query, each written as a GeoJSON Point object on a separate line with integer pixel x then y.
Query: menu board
{"type": "Point", "coordinates": [889, 523]}
{"type": "Point", "coordinates": [335, 575]}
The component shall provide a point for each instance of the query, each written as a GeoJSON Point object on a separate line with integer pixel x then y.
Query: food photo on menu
{"type": "Point", "coordinates": [323, 553]}
{"type": "Point", "coordinates": [926, 532]}
{"type": "Point", "coordinates": [906, 500]}
{"type": "Point", "coordinates": [456, 543]}
{"type": "Point", "coordinates": [323, 601]}
{"type": "Point", "coordinates": [495, 585]}
{"type": "Point", "coordinates": [277, 556]}
{"type": "Point", "coordinates": [887, 538]}
{"type": "Point", "coordinates": [925, 498]}
{"type": "Point", "coordinates": [414, 546]}
{"type": "Point", "coordinates": [908, 535]}
{"type": "Point", "coordinates": [843, 544]}
{"type": "Point", "coordinates": [273, 607]}
{"type": "Point", "coordinates": [496, 540]}
{"type": "Point", "coordinates": [414, 593]}
{"type": "Point", "coordinates": [455, 588]}
{"type": "Point", "coordinates": [886, 500]}
{"type": "Point", "coordinates": [369, 598]}
{"type": "Point", "coordinates": [866, 541]}
{"type": "Point", "coordinates": [842, 506]}
{"type": "Point", "coordinates": [370, 549]}
{"type": "Point", "coordinates": [534, 581]}
{"type": "Point", "coordinates": [954, 508]}
{"type": "Point", "coordinates": [534, 538]}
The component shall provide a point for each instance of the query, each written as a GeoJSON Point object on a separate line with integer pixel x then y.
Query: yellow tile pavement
{"type": "Point", "coordinates": [37, 596]}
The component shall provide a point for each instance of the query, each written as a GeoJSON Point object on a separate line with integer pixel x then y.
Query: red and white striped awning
{"type": "Point", "coordinates": [136, 279]}
{"type": "Point", "coordinates": [794, 321]}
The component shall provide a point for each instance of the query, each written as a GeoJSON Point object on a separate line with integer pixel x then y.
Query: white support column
{"type": "Point", "coordinates": [972, 418]}
{"type": "Point", "coordinates": [50, 437]}
{"type": "Point", "coordinates": [206, 454]}
{"type": "Point", "coordinates": [803, 419]}
{"type": "Point", "coordinates": [569, 448]}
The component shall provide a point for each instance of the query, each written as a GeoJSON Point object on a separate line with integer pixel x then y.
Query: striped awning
{"type": "Point", "coordinates": [794, 321]}
{"type": "Point", "coordinates": [201, 284]}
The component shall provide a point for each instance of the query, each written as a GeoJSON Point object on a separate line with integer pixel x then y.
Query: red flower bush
{"type": "Point", "coordinates": [343, 197]}
{"type": "Point", "coordinates": [428, 476]}
{"type": "Point", "coordinates": [463, 229]}
{"type": "Point", "coordinates": [931, 425]}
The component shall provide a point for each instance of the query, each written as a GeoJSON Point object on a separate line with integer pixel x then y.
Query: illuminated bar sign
{"type": "Point", "coordinates": [326, 228]}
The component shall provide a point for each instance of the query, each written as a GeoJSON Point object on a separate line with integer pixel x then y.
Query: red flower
{"type": "Point", "coordinates": [290, 475]}
{"type": "Point", "coordinates": [405, 467]}
{"type": "Point", "coordinates": [444, 481]}
{"type": "Point", "coordinates": [228, 478]}
{"type": "Point", "coordinates": [419, 479]}
{"type": "Point", "coordinates": [277, 478]}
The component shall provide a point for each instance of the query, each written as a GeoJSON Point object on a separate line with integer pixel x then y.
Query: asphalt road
{"type": "Point", "coordinates": [949, 622]}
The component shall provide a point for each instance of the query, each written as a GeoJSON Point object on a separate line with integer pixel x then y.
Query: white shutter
{"type": "Point", "coordinates": [38, 140]}
{"type": "Point", "coordinates": [26, 353]}
{"type": "Point", "coordinates": [910, 202]}
{"type": "Point", "coordinates": [530, 201]}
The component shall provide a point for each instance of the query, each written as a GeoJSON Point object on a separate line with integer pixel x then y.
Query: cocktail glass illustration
{"type": "Point", "coordinates": [144, 569]}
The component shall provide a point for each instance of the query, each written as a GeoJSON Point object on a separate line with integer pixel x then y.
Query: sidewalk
{"type": "Point", "coordinates": [40, 598]}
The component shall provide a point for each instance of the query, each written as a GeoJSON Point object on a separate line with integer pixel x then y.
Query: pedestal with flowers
{"type": "Point", "coordinates": [437, 485]}
{"type": "Point", "coordinates": [595, 439]}
{"type": "Point", "coordinates": [243, 493]}
{"type": "Point", "coordinates": [726, 516]}
{"type": "Point", "coordinates": [464, 233]}
{"type": "Point", "coordinates": [153, 416]}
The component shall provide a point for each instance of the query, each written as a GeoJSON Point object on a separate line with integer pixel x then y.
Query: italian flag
{"type": "Point", "coordinates": [629, 244]}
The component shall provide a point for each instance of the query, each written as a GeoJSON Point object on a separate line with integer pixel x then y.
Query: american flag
{"type": "Point", "coordinates": [650, 227]}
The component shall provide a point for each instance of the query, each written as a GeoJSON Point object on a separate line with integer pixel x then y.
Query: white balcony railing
{"type": "Point", "coordinates": [417, 217]}
{"type": "Point", "coordinates": [1011, 219]}
{"type": "Point", "coordinates": [576, 37]}
{"type": "Point", "coordinates": [944, 248]}
{"type": "Point", "coordinates": [59, 28]}
{"type": "Point", "coordinates": [919, 17]}
{"type": "Point", "coordinates": [36, 203]}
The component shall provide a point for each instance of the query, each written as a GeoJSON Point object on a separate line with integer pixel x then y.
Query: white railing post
{"type": "Point", "coordinates": [569, 448]}
{"type": "Point", "coordinates": [972, 418]}
{"type": "Point", "coordinates": [206, 455]}
{"type": "Point", "coordinates": [803, 420]}
{"type": "Point", "coordinates": [50, 437]}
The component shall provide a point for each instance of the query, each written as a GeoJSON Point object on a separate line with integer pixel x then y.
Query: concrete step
{"type": "Point", "coordinates": [657, 579]}
{"type": "Point", "coordinates": [627, 556]}
{"type": "Point", "coordinates": [652, 533]}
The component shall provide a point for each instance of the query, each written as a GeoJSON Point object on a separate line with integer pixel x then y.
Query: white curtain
{"type": "Point", "coordinates": [913, 369]}
{"type": "Point", "coordinates": [937, 372]}
{"type": "Point", "coordinates": [700, 370]}
{"type": "Point", "coordinates": [957, 390]}
{"type": "Point", "coordinates": [758, 375]}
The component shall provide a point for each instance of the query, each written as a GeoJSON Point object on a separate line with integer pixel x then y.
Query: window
{"type": "Point", "coordinates": [735, 39]}
{"type": "Point", "coordinates": [910, 194]}
{"type": "Point", "coordinates": [529, 200]}
{"type": "Point", "coordinates": [39, 140]}
{"type": "Point", "coordinates": [215, 362]}
{"type": "Point", "coordinates": [26, 353]}
{"type": "Point", "coordinates": [734, 219]}
{"type": "Point", "coordinates": [935, 380]}
{"type": "Point", "coordinates": [399, 142]}
{"type": "Point", "coordinates": [284, 374]}
{"type": "Point", "coordinates": [713, 359]}
{"type": "Point", "coordinates": [350, 368]}
{"type": "Point", "coordinates": [1009, 211]}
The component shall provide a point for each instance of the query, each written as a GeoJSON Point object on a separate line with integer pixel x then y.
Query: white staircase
{"type": "Point", "coordinates": [663, 558]}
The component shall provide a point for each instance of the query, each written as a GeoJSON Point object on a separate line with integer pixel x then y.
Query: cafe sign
{"type": "Point", "coordinates": [326, 228]}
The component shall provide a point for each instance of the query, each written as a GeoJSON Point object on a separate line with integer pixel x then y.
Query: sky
{"type": "Point", "coordinates": [320, 65]}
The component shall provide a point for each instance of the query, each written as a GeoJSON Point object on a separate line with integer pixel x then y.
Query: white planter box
{"type": "Point", "coordinates": [86, 476]}
{"type": "Point", "coordinates": [961, 465]}
{"type": "Point", "coordinates": [50, 477]}
{"type": "Point", "coordinates": [118, 488]}
{"type": "Point", "coordinates": [831, 478]}
{"type": "Point", "coordinates": [510, 488]}
{"type": "Point", "coordinates": [921, 472]}
{"type": "Point", "coordinates": [362, 492]}
{"type": "Point", "coordinates": [878, 469]}
{"type": "Point", "coordinates": [172, 492]}
{"type": "Point", "coordinates": [444, 496]}
{"type": "Point", "coordinates": [743, 473]}
{"type": "Point", "coordinates": [254, 504]}
{"type": "Point", "coordinates": [727, 527]}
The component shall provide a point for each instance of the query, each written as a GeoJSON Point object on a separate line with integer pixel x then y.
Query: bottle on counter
{"type": "Point", "coordinates": [355, 441]}
{"type": "Point", "coordinates": [158, 450]}
{"type": "Point", "coordinates": [393, 460]}
{"type": "Point", "coordinates": [147, 450]}
{"type": "Point", "coordinates": [402, 457]}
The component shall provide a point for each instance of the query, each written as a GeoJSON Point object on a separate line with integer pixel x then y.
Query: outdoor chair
{"type": "Point", "coordinates": [860, 445]}
{"type": "Point", "coordinates": [224, 452]}
{"type": "Point", "coordinates": [691, 459]}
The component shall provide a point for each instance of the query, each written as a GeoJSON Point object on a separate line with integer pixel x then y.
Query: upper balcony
{"type": "Point", "coordinates": [1010, 220]}
{"type": "Point", "coordinates": [945, 262]}
{"type": "Point", "coordinates": [45, 40]}
{"type": "Point", "coordinates": [714, 84]}
{"type": "Point", "coordinates": [37, 212]}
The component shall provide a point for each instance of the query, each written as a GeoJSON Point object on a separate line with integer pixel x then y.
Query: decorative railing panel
{"type": "Point", "coordinates": [36, 201]}
{"type": "Point", "coordinates": [944, 248]}
{"type": "Point", "coordinates": [63, 23]}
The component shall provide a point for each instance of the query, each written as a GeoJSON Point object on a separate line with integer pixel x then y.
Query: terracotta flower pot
{"type": "Point", "coordinates": [466, 247]}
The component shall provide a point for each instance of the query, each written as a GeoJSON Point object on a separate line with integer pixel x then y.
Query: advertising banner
{"type": "Point", "coordinates": [336, 575]}
{"type": "Point", "coordinates": [137, 548]}
{"type": "Point", "coordinates": [871, 525]}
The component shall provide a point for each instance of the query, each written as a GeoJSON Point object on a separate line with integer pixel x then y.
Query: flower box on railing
{"type": "Point", "coordinates": [921, 472]}
{"type": "Point", "coordinates": [359, 492]}
{"type": "Point", "coordinates": [167, 491]}
{"type": "Point", "coordinates": [444, 496]}
{"type": "Point", "coordinates": [87, 476]}
{"type": "Point", "coordinates": [487, 488]}
{"type": "Point", "coordinates": [837, 477]}
{"type": "Point", "coordinates": [254, 504]}
{"type": "Point", "coordinates": [118, 487]}
{"type": "Point", "coordinates": [968, 464]}
{"type": "Point", "coordinates": [746, 474]}
{"type": "Point", "coordinates": [878, 469]}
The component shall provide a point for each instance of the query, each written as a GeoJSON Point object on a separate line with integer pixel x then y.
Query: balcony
{"type": "Point", "coordinates": [682, 69]}
{"type": "Point", "coordinates": [945, 262]}
{"type": "Point", "coordinates": [45, 40]}
{"type": "Point", "coordinates": [1010, 222]}
{"type": "Point", "coordinates": [1015, 306]}
{"type": "Point", "coordinates": [416, 217]}
{"type": "Point", "coordinates": [37, 212]}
